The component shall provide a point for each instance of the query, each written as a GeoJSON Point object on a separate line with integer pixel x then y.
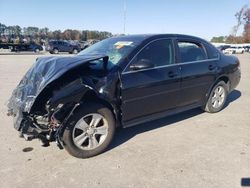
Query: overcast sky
{"type": "Point", "coordinates": [204, 18]}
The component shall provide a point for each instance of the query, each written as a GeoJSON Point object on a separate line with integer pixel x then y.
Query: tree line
{"type": "Point", "coordinates": [243, 19]}
{"type": "Point", "coordinates": [17, 34]}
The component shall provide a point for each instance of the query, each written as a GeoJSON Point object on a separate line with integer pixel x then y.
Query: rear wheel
{"type": "Point", "coordinates": [75, 51]}
{"type": "Point", "coordinates": [89, 131]}
{"type": "Point", "coordinates": [217, 98]}
{"type": "Point", "coordinates": [55, 51]}
{"type": "Point", "coordinates": [37, 50]}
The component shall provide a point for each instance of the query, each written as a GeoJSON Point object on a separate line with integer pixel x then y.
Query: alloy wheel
{"type": "Point", "coordinates": [90, 131]}
{"type": "Point", "coordinates": [218, 97]}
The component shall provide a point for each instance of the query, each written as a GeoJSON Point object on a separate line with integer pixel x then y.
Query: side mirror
{"type": "Point", "coordinates": [142, 64]}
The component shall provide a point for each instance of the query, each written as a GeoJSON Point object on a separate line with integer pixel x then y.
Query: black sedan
{"type": "Point", "coordinates": [123, 81]}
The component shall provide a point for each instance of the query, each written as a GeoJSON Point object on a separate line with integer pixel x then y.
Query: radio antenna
{"type": "Point", "coordinates": [124, 16]}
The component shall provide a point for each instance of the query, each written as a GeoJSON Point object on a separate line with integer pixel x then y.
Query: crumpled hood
{"type": "Point", "coordinates": [44, 71]}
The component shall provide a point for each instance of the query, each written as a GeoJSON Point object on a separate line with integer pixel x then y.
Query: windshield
{"type": "Point", "coordinates": [115, 48]}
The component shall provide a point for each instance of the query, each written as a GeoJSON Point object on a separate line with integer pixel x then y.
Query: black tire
{"type": "Point", "coordinates": [84, 111]}
{"type": "Point", "coordinates": [37, 50]}
{"type": "Point", "coordinates": [210, 105]}
{"type": "Point", "coordinates": [75, 51]}
{"type": "Point", "coordinates": [55, 51]}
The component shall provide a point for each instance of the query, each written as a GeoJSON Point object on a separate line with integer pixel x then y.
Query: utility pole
{"type": "Point", "coordinates": [124, 16]}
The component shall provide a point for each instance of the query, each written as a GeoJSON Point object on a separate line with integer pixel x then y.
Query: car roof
{"type": "Point", "coordinates": [155, 36]}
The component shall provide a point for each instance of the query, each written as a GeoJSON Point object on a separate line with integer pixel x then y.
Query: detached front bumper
{"type": "Point", "coordinates": [22, 122]}
{"type": "Point", "coordinates": [17, 120]}
{"type": "Point", "coordinates": [27, 128]}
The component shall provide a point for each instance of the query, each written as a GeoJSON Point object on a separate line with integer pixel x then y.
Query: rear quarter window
{"type": "Point", "coordinates": [212, 52]}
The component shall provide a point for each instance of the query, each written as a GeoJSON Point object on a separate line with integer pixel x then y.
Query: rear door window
{"type": "Point", "coordinates": [191, 51]}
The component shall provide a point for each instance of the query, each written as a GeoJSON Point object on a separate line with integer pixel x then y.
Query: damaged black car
{"type": "Point", "coordinates": [79, 101]}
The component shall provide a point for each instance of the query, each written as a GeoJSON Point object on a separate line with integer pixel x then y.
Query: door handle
{"type": "Point", "coordinates": [211, 67]}
{"type": "Point", "coordinates": [171, 74]}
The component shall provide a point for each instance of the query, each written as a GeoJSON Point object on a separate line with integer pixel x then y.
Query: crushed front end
{"type": "Point", "coordinates": [47, 95]}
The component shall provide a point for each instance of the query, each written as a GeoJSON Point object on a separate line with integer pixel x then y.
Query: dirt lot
{"type": "Point", "coordinates": [192, 149]}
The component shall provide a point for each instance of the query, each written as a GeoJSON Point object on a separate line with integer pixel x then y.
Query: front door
{"type": "Point", "coordinates": [151, 90]}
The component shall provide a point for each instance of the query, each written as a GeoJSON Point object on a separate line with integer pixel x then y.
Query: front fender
{"type": "Point", "coordinates": [71, 93]}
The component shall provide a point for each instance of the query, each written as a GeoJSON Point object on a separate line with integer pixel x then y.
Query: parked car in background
{"type": "Point", "coordinates": [247, 48]}
{"type": "Point", "coordinates": [83, 44]}
{"type": "Point", "coordinates": [123, 81]}
{"type": "Point", "coordinates": [234, 50]}
{"type": "Point", "coordinates": [33, 47]}
{"type": "Point", "coordinates": [89, 43]}
{"type": "Point", "coordinates": [223, 47]}
{"type": "Point", "coordinates": [56, 46]}
{"type": "Point", "coordinates": [27, 47]}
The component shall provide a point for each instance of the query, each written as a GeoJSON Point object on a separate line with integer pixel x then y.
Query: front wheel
{"type": "Point", "coordinates": [217, 98]}
{"type": "Point", "coordinates": [89, 131]}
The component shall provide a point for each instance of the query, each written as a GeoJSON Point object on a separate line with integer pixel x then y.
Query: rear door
{"type": "Point", "coordinates": [198, 71]}
{"type": "Point", "coordinates": [152, 90]}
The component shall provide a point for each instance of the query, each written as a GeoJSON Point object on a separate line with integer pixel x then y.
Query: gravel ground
{"type": "Point", "coordinates": [191, 149]}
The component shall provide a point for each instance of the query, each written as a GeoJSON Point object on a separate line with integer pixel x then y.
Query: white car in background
{"type": "Point", "coordinates": [234, 50]}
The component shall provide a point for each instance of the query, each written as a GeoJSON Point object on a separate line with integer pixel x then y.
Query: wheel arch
{"type": "Point", "coordinates": [93, 96]}
{"type": "Point", "coordinates": [55, 48]}
{"type": "Point", "coordinates": [223, 78]}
